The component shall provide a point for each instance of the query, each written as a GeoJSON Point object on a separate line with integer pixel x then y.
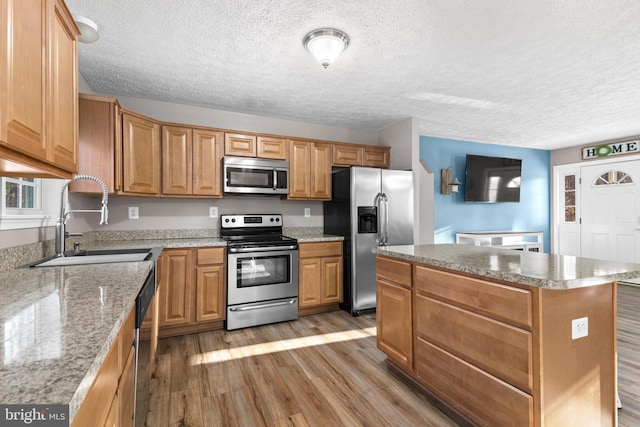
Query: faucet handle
{"type": "Point", "coordinates": [67, 234]}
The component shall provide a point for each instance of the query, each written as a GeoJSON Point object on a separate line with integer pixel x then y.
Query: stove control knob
{"type": "Point", "coordinates": [277, 219]}
{"type": "Point", "coordinates": [271, 219]}
{"type": "Point", "coordinates": [233, 220]}
{"type": "Point", "coordinates": [226, 220]}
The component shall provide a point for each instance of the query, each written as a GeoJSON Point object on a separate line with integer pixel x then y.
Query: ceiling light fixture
{"type": "Point", "coordinates": [325, 44]}
{"type": "Point", "coordinates": [88, 29]}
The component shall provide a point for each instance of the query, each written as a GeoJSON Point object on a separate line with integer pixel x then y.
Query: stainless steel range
{"type": "Point", "coordinates": [262, 277]}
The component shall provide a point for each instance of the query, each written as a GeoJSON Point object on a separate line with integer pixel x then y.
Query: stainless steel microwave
{"type": "Point", "coordinates": [247, 175]}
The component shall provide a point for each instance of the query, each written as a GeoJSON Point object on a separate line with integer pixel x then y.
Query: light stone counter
{"type": "Point", "coordinates": [528, 268]}
{"type": "Point", "coordinates": [58, 324]}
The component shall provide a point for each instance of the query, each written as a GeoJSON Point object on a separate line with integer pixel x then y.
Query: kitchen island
{"type": "Point", "coordinates": [501, 337]}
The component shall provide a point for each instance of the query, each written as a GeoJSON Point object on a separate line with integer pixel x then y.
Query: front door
{"type": "Point", "coordinates": [610, 226]}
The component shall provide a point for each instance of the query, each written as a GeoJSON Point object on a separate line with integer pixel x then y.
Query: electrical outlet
{"type": "Point", "coordinates": [213, 211]}
{"type": "Point", "coordinates": [133, 212]}
{"type": "Point", "coordinates": [579, 328]}
{"type": "Point", "coordinates": [307, 212]}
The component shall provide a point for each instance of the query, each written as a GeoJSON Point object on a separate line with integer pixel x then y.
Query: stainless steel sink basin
{"type": "Point", "coordinates": [96, 257]}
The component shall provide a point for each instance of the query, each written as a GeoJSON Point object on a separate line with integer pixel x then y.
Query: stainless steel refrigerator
{"type": "Point", "coordinates": [369, 207]}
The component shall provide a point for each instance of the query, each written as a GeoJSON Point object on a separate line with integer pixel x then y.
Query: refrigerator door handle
{"type": "Point", "coordinates": [385, 235]}
{"type": "Point", "coordinates": [380, 234]}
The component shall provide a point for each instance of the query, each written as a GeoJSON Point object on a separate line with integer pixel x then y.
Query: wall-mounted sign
{"type": "Point", "coordinates": [613, 149]}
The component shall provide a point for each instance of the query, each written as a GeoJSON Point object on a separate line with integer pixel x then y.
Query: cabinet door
{"type": "Point", "coordinates": [332, 279]}
{"type": "Point", "coordinates": [207, 155]}
{"type": "Point", "coordinates": [126, 392]}
{"type": "Point", "coordinates": [177, 149]}
{"type": "Point", "coordinates": [140, 154]}
{"type": "Point", "coordinates": [377, 157]}
{"type": "Point", "coordinates": [236, 144]}
{"type": "Point", "coordinates": [347, 155]}
{"type": "Point", "coordinates": [176, 281]}
{"type": "Point", "coordinates": [22, 84]}
{"type": "Point", "coordinates": [272, 148]}
{"type": "Point", "coordinates": [393, 321]}
{"type": "Point", "coordinates": [321, 171]}
{"type": "Point", "coordinates": [210, 293]}
{"type": "Point", "coordinates": [299, 169]}
{"type": "Point", "coordinates": [62, 84]}
{"type": "Point", "coordinates": [310, 282]}
{"type": "Point", "coordinates": [99, 118]}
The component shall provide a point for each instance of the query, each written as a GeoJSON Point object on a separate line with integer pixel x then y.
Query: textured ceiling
{"type": "Point", "coordinates": [535, 73]}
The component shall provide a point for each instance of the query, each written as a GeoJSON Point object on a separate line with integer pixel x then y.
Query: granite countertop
{"type": "Point", "coordinates": [58, 325]}
{"type": "Point", "coordinates": [537, 269]}
{"type": "Point", "coordinates": [308, 237]}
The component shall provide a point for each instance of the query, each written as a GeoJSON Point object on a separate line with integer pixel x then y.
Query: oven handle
{"type": "Point", "coordinates": [263, 249]}
{"type": "Point", "coordinates": [261, 306]}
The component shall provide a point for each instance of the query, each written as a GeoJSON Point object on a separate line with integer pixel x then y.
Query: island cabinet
{"type": "Point", "coordinates": [253, 145]}
{"type": "Point", "coordinates": [38, 89]}
{"type": "Point", "coordinates": [110, 399]}
{"type": "Point", "coordinates": [191, 161]}
{"type": "Point", "coordinates": [320, 277]}
{"type": "Point", "coordinates": [309, 170]}
{"type": "Point", "coordinates": [192, 286]}
{"type": "Point", "coordinates": [496, 352]}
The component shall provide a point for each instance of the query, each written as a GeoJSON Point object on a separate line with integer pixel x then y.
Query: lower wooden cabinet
{"type": "Point", "coordinates": [110, 398]}
{"type": "Point", "coordinates": [320, 276]}
{"type": "Point", "coordinates": [394, 311]}
{"type": "Point", "coordinates": [192, 290]}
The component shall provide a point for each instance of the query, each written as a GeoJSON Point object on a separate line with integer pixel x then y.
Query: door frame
{"type": "Point", "coordinates": [556, 190]}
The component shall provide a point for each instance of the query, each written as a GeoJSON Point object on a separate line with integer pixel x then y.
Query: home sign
{"type": "Point", "coordinates": [613, 149]}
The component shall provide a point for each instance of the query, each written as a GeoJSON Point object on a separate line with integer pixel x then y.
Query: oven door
{"type": "Point", "coordinates": [261, 275]}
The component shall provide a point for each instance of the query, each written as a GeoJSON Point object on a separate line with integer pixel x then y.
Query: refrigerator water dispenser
{"type": "Point", "coordinates": [367, 219]}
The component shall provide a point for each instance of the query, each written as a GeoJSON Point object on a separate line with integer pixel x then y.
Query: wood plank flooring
{"type": "Point", "coordinates": [321, 370]}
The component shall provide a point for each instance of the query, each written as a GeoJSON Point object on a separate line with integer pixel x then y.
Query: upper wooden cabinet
{"type": "Point", "coordinates": [140, 154]}
{"type": "Point", "coordinates": [360, 155]}
{"type": "Point", "coordinates": [309, 170]}
{"type": "Point", "coordinates": [250, 145]}
{"type": "Point", "coordinates": [191, 161]}
{"type": "Point", "coordinates": [38, 89]}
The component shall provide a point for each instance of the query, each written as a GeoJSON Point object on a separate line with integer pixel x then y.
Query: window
{"type": "Point", "coordinates": [569, 201]}
{"type": "Point", "coordinates": [22, 204]}
{"type": "Point", "coordinates": [613, 178]}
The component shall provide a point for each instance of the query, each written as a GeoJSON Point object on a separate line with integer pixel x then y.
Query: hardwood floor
{"type": "Point", "coordinates": [321, 370]}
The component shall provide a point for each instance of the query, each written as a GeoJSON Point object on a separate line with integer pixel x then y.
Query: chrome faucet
{"type": "Point", "coordinates": [61, 234]}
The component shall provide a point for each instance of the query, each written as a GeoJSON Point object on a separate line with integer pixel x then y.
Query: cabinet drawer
{"type": "Point", "coordinates": [512, 305]}
{"type": "Point", "coordinates": [486, 400]}
{"type": "Point", "coordinates": [320, 249]}
{"type": "Point", "coordinates": [347, 155]}
{"type": "Point", "coordinates": [236, 144]}
{"type": "Point", "coordinates": [498, 348]}
{"type": "Point", "coordinates": [207, 256]}
{"type": "Point", "coordinates": [273, 148]}
{"type": "Point", "coordinates": [377, 157]}
{"type": "Point", "coordinates": [394, 271]}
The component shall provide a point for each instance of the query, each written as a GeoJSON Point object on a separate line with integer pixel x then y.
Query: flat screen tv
{"type": "Point", "coordinates": [492, 179]}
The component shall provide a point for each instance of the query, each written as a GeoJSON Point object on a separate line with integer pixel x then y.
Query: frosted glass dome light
{"type": "Point", "coordinates": [326, 44]}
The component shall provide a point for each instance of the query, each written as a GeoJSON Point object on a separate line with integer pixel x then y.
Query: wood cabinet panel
{"type": "Point", "coordinates": [126, 392]}
{"type": "Point", "coordinates": [512, 305]}
{"type": "Point", "coordinates": [502, 350]}
{"type": "Point", "coordinates": [206, 256]}
{"type": "Point", "coordinates": [177, 152]}
{"type": "Point", "coordinates": [207, 157]}
{"type": "Point", "coordinates": [112, 417]}
{"type": "Point", "coordinates": [394, 323]}
{"type": "Point", "coordinates": [321, 155]}
{"type": "Point", "coordinates": [272, 148]}
{"type": "Point", "coordinates": [470, 390]}
{"type": "Point", "coordinates": [141, 154]}
{"type": "Point", "coordinates": [310, 282]}
{"type": "Point", "coordinates": [347, 155]}
{"type": "Point", "coordinates": [127, 335]}
{"type": "Point", "coordinates": [395, 271]}
{"type": "Point", "coordinates": [99, 133]}
{"type": "Point", "coordinates": [332, 279]}
{"type": "Point", "coordinates": [62, 84]}
{"type": "Point", "coordinates": [378, 157]}
{"type": "Point", "coordinates": [236, 144]}
{"type": "Point", "coordinates": [210, 293]}
{"type": "Point", "coordinates": [299, 169]}
{"type": "Point", "coordinates": [319, 249]}
{"type": "Point", "coordinates": [176, 281]}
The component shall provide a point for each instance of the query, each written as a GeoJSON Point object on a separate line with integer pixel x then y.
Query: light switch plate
{"type": "Point", "coordinates": [307, 212]}
{"type": "Point", "coordinates": [213, 212]}
{"type": "Point", "coordinates": [133, 212]}
{"type": "Point", "coordinates": [579, 328]}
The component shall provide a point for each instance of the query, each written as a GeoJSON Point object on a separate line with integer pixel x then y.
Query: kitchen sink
{"type": "Point", "coordinates": [96, 257]}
